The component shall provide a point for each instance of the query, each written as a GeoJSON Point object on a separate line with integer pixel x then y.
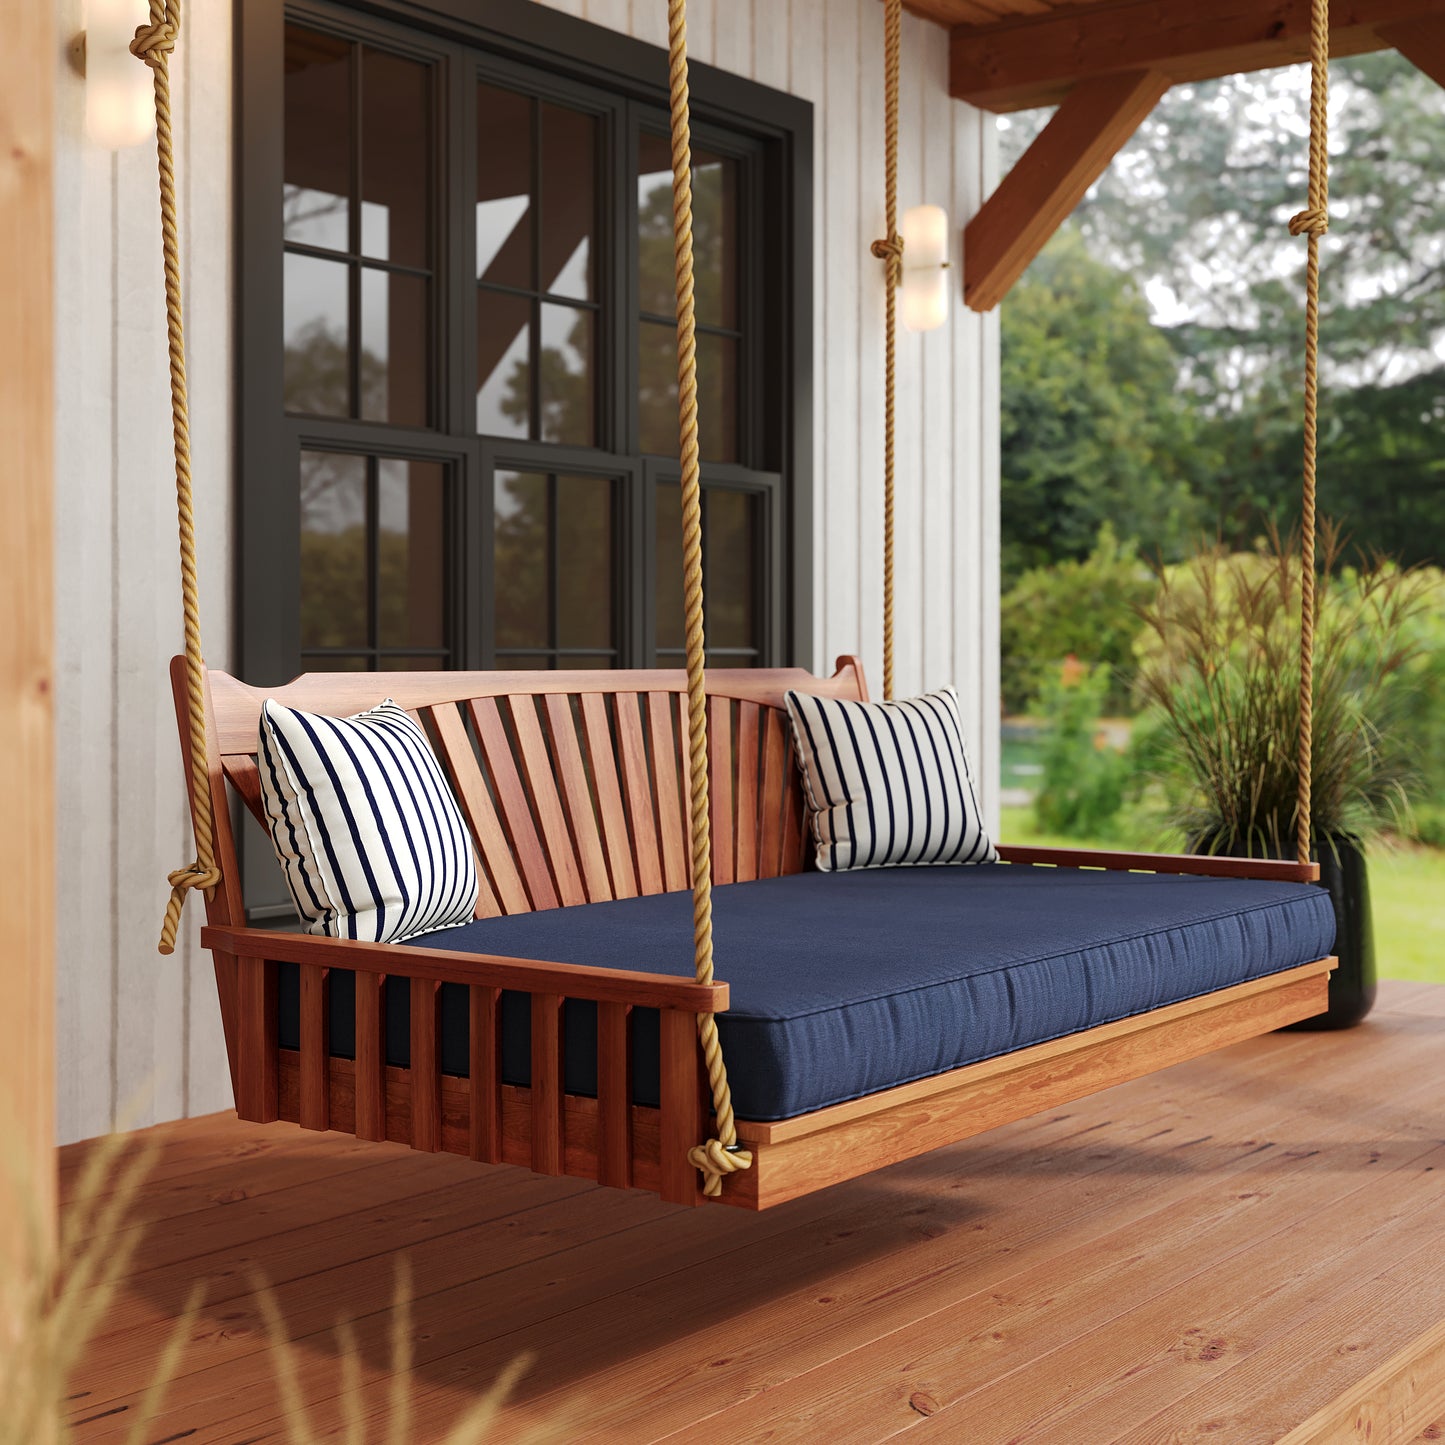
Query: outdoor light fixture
{"type": "Point", "coordinates": [119, 102]}
{"type": "Point", "coordinates": [924, 288]}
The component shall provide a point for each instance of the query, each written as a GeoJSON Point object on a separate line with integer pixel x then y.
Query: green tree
{"type": "Point", "coordinates": [1094, 431]}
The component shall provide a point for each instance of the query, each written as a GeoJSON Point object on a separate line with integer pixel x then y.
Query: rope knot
{"type": "Point", "coordinates": [182, 881]}
{"type": "Point", "coordinates": [1310, 222]}
{"type": "Point", "coordinates": [154, 43]}
{"type": "Point", "coordinates": [715, 1161]}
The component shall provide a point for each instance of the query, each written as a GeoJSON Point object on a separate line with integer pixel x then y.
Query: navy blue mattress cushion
{"type": "Point", "coordinates": [843, 984]}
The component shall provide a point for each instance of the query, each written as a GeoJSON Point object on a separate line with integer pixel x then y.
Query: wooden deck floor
{"type": "Point", "coordinates": [1217, 1252]}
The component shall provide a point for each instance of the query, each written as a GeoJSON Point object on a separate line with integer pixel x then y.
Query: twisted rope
{"type": "Point", "coordinates": [718, 1156]}
{"type": "Point", "coordinates": [1312, 222]}
{"type": "Point", "coordinates": [153, 44]}
{"type": "Point", "coordinates": [889, 250]}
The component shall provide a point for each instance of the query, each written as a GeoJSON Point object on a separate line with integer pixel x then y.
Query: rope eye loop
{"type": "Point", "coordinates": [153, 43]}
{"type": "Point", "coordinates": [1309, 223]}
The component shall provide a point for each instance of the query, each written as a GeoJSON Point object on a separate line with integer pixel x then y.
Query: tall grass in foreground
{"type": "Point", "coordinates": [53, 1300]}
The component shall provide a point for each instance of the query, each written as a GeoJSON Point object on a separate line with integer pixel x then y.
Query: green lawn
{"type": "Point", "coordinates": [1407, 891]}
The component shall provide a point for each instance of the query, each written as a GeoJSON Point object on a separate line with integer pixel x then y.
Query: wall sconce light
{"type": "Point", "coordinates": [924, 287]}
{"type": "Point", "coordinates": [119, 99]}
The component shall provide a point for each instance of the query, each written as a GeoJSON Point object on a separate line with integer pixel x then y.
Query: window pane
{"type": "Point", "coordinates": [504, 187]}
{"type": "Point", "coordinates": [667, 579]}
{"type": "Point", "coordinates": [336, 662]}
{"type": "Point", "coordinates": [316, 374]}
{"type": "Point", "coordinates": [730, 563]}
{"type": "Point", "coordinates": [568, 201]}
{"type": "Point", "coordinates": [716, 393]}
{"type": "Point", "coordinates": [421, 662]}
{"type": "Point", "coordinates": [521, 561]}
{"type": "Point", "coordinates": [717, 397]}
{"type": "Point", "coordinates": [411, 560]}
{"type": "Point", "coordinates": [503, 344]}
{"type": "Point", "coordinates": [394, 352]}
{"type": "Point", "coordinates": [567, 385]}
{"type": "Point", "coordinates": [714, 233]}
{"type": "Point", "coordinates": [317, 182]}
{"type": "Point", "coordinates": [395, 158]}
{"type": "Point", "coordinates": [524, 661]}
{"type": "Point", "coordinates": [333, 551]}
{"type": "Point", "coordinates": [585, 585]}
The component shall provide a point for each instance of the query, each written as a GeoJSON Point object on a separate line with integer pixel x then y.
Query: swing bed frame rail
{"type": "Point", "coordinates": [574, 786]}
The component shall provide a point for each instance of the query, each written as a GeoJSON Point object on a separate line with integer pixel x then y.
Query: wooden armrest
{"type": "Point", "coordinates": [1213, 867]}
{"type": "Point", "coordinates": [525, 975]}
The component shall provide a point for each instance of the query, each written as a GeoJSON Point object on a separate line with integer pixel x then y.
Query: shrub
{"type": "Point", "coordinates": [1086, 609]}
{"type": "Point", "coordinates": [1084, 780]}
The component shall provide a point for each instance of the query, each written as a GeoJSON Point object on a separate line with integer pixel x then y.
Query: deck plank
{"type": "Point", "coordinates": [1141, 1265]}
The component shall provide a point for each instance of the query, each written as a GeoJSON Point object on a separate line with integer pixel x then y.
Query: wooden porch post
{"type": "Point", "coordinates": [27, 822]}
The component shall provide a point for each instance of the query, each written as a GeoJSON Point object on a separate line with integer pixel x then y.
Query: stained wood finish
{"type": "Point", "coordinates": [575, 791]}
{"type": "Point", "coordinates": [1022, 61]}
{"type": "Point", "coordinates": [370, 1055]}
{"type": "Point", "coordinates": [1211, 1253]}
{"type": "Point", "coordinates": [315, 1010]}
{"type": "Point", "coordinates": [1282, 871]}
{"type": "Point", "coordinates": [1050, 179]}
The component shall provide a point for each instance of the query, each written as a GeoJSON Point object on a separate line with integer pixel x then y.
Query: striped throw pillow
{"type": "Point", "coordinates": [887, 782]}
{"type": "Point", "coordinates": [364, 824]}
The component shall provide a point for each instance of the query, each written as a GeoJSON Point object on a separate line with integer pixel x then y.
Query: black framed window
{"type": "Point", "coordinates": [458, 367]}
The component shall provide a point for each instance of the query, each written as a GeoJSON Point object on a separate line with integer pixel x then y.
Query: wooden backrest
{"type": "Point", "coordinates": [575, 784]}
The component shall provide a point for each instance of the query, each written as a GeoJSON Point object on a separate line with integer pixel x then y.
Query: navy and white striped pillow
{"type": "Point", "coordinates": [364, 824]}
{"type": "Point", "coordinates": [887, 782]}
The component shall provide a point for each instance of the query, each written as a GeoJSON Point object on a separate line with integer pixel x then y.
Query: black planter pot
{"type": "Point", "coordinates": [1352, 985]}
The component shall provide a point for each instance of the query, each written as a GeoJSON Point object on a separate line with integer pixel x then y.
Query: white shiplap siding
{"type": "Point", "coordinates": [140, 1032]}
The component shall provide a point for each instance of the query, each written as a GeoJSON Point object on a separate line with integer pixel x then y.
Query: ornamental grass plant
{"type": "Point", "coordinates": [1219, 671]}
{"type": "Point", "coordinates": [57, 1293]}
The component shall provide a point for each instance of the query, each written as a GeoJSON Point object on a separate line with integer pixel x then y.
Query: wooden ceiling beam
{"type": "Point", "coordinates": [1036, 60]}
{"type": "Point", "coordinates": [1422, 43]}
{"type": "Point", "coordinates": [1050, 178]}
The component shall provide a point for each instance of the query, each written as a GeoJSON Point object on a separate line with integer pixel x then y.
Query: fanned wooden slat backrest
{"type": "Point", "coordinates": [575, 784]}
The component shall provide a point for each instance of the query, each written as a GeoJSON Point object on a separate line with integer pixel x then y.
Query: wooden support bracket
{"type": "Point", "coordinates": [1421, 42]}
{"type": "Point", "coordinates": [1050, 179]}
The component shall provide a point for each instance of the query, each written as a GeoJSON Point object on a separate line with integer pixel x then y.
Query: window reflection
{"type": "Point", "coordinates": [316, 373]}
{"type": "Point", "coordinates": [334, 573]}
{"type": "Point", "coordinates": [317, 183]}
{"type": "Point", "coordinates": [731, 548]}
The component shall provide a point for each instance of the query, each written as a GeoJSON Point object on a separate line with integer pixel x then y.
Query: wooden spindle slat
{"type": "Point", "coordinates": [315, 1039]}
{"type": "Point", "coordinates": [720, 787]}
{"type": "Point", "coordinates": [683, 1121]}
{"type": "Point", "coordinates": [540, 778]}
{"type": "Point", "coordinates": [614, 1096]}
{"type": "Point", "coordinates": [746, 809]}
{"type": "Point", "coordinates": [632, 749]}
{"type": "Point", "coordinates": [795, 816]}
{"type": "Point", "coordinates": [577, 796]}
{"type": "Point", "coordinates": [512, 796]}
{"type": "Point", "coordinates": [484, 1067]}
{"type": "Point", "coordinates": [258, 1075]}
{"type": "Point", "coordinates": [548, 1091]}
{"type": "Point", "coordinates": [667, 768]}
{"type": "Point", "coordinates": [370, 1056]}
{"type": "Point", "coordinates": [506, 890]}
{"type": "Point", "coordinates": [605, 778]}
{"type": "Point", "coordinates": [426, 1077]}
{"type": "Point", "coordinates": [770, 799]}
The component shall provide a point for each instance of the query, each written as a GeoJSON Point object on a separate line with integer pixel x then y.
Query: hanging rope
{"type": "Point", "coordinates": [153, 44]}
{"type": "Point", "coordinates": [1312, 222]}
{"type": "Point", "coordinates": [889, 250]}
{"type": "Point", "coordinates": [718, 1156]}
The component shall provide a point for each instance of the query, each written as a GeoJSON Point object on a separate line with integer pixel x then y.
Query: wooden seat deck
{"type": "Point", "coordinates": [1248, 1247]}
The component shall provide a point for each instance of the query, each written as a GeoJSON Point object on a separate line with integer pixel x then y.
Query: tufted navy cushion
{"type": "Point", "coordinates": [847, 983]}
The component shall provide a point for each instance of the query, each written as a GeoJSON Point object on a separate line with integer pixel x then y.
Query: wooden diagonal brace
{"type": "Point", "coordinates": [1050, 179]}
{"type": "Point", "coordinates": [1421, 42]}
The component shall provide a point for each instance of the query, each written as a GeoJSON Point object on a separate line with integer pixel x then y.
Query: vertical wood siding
{"type": "Point", "coordinates": [139, 1035]}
